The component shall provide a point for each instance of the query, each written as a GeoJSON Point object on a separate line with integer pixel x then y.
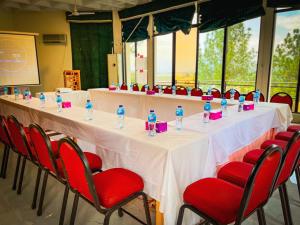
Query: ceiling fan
{"type": "Point", "coordinates": [75, 12]}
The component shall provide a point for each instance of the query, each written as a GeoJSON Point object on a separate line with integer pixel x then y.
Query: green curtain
{"type": "Point", "coordinates": [174, 20]}
{"type": "Point", "coordinates": [217, 14]}
{"type": "Point", "coordinates": [91, 42]}
{"type": "Point", "coordinates": [136, 34]}
{"type": "Point", "coordinates": [283, 3]}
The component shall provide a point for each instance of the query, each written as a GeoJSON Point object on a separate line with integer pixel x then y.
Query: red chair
{"type": "Point", "coordinates": [293, 128]}
{"type": "Point", "coordinates": [249, 96]}
{"type": "Point", "coordinates": [124, 87]}
{"type": "Point", "coordinates": [107, 191]}
{"type": "Point", "coordinates": [284, 135]}
{"type": "Point", "coordinates": [216, 93]}
{"type": "Point", "coordinates": [196, 92]}
{"type": "Point", "coordinates": [168, 90]}
{"type": "Point", "coordinates": [181, 91]}
{"type": "Point", "coordinates": [239, 172]}
{"type": "Point", "coordinates": [221, 202]}
{"type": "Point", "coordinates": [156, 88]}
{"type": "Point", "coordinates": [282, 97]}
{"type": "Point", "coordinates": [47, 153]}
{"type": "Point", "coordinates": [236, 94]}
{"type": "Point", "coordinates": [5, 140]}
{"type": "Point", "coordinates": [144, 88]}
{"type": "Point", "coordinates": [135, 87]}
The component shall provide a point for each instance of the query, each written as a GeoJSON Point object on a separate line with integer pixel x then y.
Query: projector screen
{"type": "Point", "coordinates": [18, 60]}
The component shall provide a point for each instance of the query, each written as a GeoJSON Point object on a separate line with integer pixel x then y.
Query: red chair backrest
{"type": "Point", "coordinates": [236, 94]}
{"type": "Point", "coordinates": [124, 87]}
{"type": "Point", "coordinates": [143, 88]}
{"type": "Point", "coordinates": [76, 169]}
{"type": "Point", "coordinates": [4, 134]}
{"type": "Point", "coordinates": [42, 146]}
{"type": "Point", "coordinates": [290, 158]}
{"type": "Point", "coordinates": [18, 137]}
{"type": "Point", "coordinates": [282, 97]}
{"type": "Point", "coordinates": [249, 96]}
{"type": "Point", "coordinates": [181, 91]}
{"type": "Point", "coordinates": [168, 90]}
{"type": "Point", "coordinates": [156, 89]}
{"type": "Point", "coordinates": [196, 92]}
{"type": "Point", "coordinates": [216, 93]}
{"type": "Point", "coordinates": [261, 182]}
{"type": "Point", "coordinates": [135, 87]}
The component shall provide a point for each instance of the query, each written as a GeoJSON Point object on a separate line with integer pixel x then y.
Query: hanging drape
{"type": "Point", "coordinates": [174, 20]}
{"type": "Point", "coordinates": [135, 29]}
{"type": "Point", "coordinates": [91, 42]}
{"type": "Point", "coordinates": [217, 14]}
{"type": "Point", "coordinates": [283, 3]}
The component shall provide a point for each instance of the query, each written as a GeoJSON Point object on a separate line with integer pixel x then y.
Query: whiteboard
{"type": "Point", "coordinates": [18, 60]}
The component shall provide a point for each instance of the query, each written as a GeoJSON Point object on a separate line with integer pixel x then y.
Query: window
{"type": "Point", "coordinates": [136, 62]}
{"type": "Point", "coordinates": [286, 56]}
{"type": "Point", "coordinates": [185, 62]}
{"type": "Point", "coordinates": [163, 56]}
{"type": "Point", "coordinates": [210, 59]}
{"type": "Point", "coordinates": [242, 55]}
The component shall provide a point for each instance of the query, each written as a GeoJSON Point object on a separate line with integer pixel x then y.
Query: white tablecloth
{"type": "Point", "coordinates": [137, 104]}
{"type": "Point", "coordinates": [167, 162]}
{"type": "Point", "coordinates": [78, 98]}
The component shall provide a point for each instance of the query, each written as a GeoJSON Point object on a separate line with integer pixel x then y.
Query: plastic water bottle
{"type": "Point", "coordinates": [173, 90]}
{"type": "Point", "coordinates": [89, 110]}
{"type": "Point", "coordinates": [42, 100]}
{"type": "Point", "coordinates": [121, 115]}
{"type": "Point", "coordinates": [27, 96]}
{"type": "Point", "coordinates": [152, 123]}
{"type": "Point", "coordinates": [241, 103]}
{"type": "Point", "coordinates": [189, 90]}
{"type": "Point", "coordinates": [179, 116]}
{"type": "Point", "coordinates": [224, 107]}
{"type": "Point", "coordinates": [131, 88]}
{"type": "Point", "coordinates": [209, 91]}
{"type": "Point", "coordinates": [146, 88]}
{"type": "Point", "coordinates": [59, 102]}
{"type": "Point", "coordinates": [17, 93]}
{"type": "Point", "coordinates": [232, 92]}
{"type": "Point", "coordinates": [256, 96]}
{"type": "Point", "coordinates": [207, 108]}
{"type": "Point", "coordinates": [5, 90]}
{"type": "Point", "coordinates": [160, 89]}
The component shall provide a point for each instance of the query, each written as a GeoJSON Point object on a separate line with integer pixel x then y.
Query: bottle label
{"type": "Point", "coordinates": [179, 112]}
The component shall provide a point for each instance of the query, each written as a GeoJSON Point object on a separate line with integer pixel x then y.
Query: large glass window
{"type": "Point", "coordinates": [286, 55]}
{"type": "Point", "coordinates": [163, 54]}
{"type": "Point", "coordinates": [210, 59]}
{"type": "Point", "coordinates": [185, 63]}
{"type": "Point", "coordinates": [136, 62]}
{"type": "Point", "coordinates": [242, 55]}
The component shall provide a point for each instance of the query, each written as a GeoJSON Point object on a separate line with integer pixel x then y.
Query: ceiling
{"type": "Point", "coordinates": [68, 5]}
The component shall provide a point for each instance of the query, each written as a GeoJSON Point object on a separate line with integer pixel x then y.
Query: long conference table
{"type": "Point", "coordinates": [167, 162]}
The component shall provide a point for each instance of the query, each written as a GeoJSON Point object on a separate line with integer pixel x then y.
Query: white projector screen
{"type": "Point", "coordinates": [18, 60]}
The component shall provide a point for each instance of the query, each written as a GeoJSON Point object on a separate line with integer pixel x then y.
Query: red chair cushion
{"type": "Point", "coordinates": [168, 90]}
{"type": "Point", "coordinates": [181, 91]}
{"type": "Point", "coordinates": [216, 93]}
{"type": "Point", "coordinates": [115, 185]}
{"type": "Point", "coordinates": [293, 128]}
{"type": "Point", "coordinates": [216, 198]}
{"type": "Point", "coordinates": [236, 94]}
{"type": "Point", "coordinates": [54, 145]}
{"type": "Point", "coordinates": [196, 92]}
{"type": "Point", "coordinates": [236, 173]}
{"type": "Point", "coordinates": [253, 156]}
{"type": "Point", "coordinates": [280, 143]}
{"type": "Point", "coordinates": [284, 136]}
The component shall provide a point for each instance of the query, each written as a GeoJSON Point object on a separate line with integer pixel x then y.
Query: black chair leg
{"type": "Point", "coordinates": [297, 171]}
{"type": "Point", "coordinates": [19, 191]}
{"type": "Point", "coordinates": [285, 205]}
{"type": "Point", "coordinates": [261, 216]}
{"type": "Point", "coordinates": [6, 163]}
{"type": "Point", "coordinates": [3, 161]}
{"type": "Point", "coordinates": [64, 205]}
{"type": "Point", "coordinates": [107, 217]}
{"type": "Point", "coordinates": [180, 215]}
{"type": "Point", "coordinates": [40, 208]}
{"type": "Point", "coordinates": [146, 207]}
{"type": "Point", "coordinates": [36, 189]}
{"type": "Point", "coordinates": [16, 173]}
{"type": "Point", "coordinates": [74, 208]}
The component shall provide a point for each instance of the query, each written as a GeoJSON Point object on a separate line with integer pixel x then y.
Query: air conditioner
{"type": "Point", "coordinates": [55, 38]}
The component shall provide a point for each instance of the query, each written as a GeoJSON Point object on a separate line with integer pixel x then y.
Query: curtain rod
{"type": "Point", "coordinates": [164, 10]}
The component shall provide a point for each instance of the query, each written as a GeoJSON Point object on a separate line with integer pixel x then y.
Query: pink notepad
{"type": "Point", "coordinates": [207, 97]}
{"type": "Point", "coordinates": [248, 106]}
{"type": "Point", "coordinates": [66, 105]}
{"type": "Point", "coordinates": [215, 114]}
{"type": "Point", "coordinates": [161, 126]}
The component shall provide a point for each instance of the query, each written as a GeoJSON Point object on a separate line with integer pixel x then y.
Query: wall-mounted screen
{"type": "Point", "coordinates": [18, 60]}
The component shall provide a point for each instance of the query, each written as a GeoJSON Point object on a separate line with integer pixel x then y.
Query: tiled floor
{"type": "Point", "coordinates": [15, 209]}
